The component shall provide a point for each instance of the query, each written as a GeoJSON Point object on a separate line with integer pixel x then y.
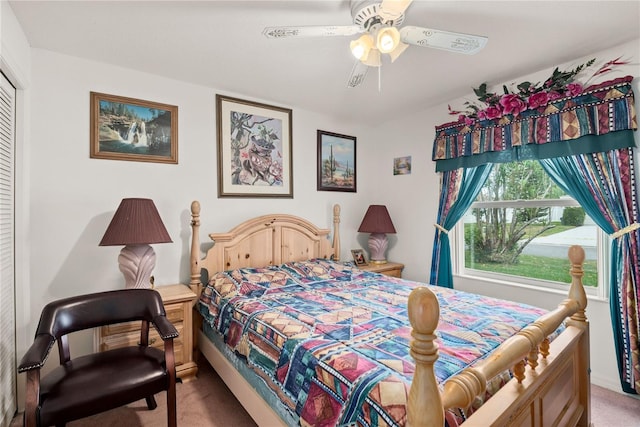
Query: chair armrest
{"type": "Point", "coordinates": [165, 328]}
{"type": "Point", "coordinates": [37, 354]}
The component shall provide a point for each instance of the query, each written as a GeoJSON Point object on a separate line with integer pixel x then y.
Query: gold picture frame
{"type": "Point", "coordinates": [133, 129]}
{"type": "Point", "coordinates": [254, 149]}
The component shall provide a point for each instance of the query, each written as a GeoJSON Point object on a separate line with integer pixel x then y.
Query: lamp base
{"type": "Point", "coordinates": [377, 247]}
{"type": "Point", "coordinates": [136, 263]}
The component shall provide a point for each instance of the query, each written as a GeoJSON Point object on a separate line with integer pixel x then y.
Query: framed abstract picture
{"type": "Point", "coordinates": [254, 149]}
{"type": "Point", "coordinates": [336, 162]}
{"type": "Point", "coordinates": [132, 129]}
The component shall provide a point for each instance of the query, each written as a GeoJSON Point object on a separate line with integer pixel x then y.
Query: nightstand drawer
{"type": "Point", "coordinates": [395, 272]}
{"type": "Point", "coordinates": [393, 269]}
{"type": "Point", "coordinates": [132, 338]}
{"type": "Point", "coordinates": [178, 304]}
{"type": "Point", "coordinates": [174, 314]}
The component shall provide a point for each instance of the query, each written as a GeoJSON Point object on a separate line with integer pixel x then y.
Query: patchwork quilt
{"type": "Point", "coordinates": [332, 341]}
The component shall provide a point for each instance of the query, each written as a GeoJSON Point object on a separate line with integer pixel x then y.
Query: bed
{"type": "Point", "coordinates": [546, 358]}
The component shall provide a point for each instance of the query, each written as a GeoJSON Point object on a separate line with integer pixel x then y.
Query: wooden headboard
{"type": "Point", "coordinates": [262, 241]}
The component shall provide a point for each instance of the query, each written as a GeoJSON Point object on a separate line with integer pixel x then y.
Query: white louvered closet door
{"type": "Point", "coordinates": [7, 276]}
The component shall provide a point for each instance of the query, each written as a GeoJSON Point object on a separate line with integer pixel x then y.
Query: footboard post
{"type": "Point", "coordinates": [579, 320]}
{"type": "Point", "coordinates": [425, 403]}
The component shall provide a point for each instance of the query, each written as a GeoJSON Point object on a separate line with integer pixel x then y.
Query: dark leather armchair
{"type": "Point", "coordinates": [86, 385]}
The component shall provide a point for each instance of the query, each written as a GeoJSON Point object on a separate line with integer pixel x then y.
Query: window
{"type": "Point", "coordinates": [519, 230]}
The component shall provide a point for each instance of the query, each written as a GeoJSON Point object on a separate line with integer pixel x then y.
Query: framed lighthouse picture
{"type": "Point", "coordinates": [132, 129]}
{"type": "Point", "coordinates": [336, 162]}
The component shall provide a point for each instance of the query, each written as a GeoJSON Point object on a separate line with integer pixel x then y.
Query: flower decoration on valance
{"type": "Point", "coordinates": [559, 117]}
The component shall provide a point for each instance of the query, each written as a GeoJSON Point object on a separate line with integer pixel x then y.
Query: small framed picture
{"type": "Point", "coordinates": [358, 257]}
{"type": "Point", "coordinates": [402, 165]}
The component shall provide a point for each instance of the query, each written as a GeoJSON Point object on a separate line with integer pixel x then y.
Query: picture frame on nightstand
{"type": "Point", "coordinates": [358, 257]}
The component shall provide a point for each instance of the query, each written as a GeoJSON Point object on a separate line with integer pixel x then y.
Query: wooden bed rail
{"type": "Point", "coordinates": [461, 390]}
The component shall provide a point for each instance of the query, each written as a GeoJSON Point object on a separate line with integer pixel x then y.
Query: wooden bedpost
{"type": "Point", "coordinates": [336, 232]}
{"type": "Point", "coordinates": [195, 283]}
{"type": "Point", "coordinates": [579, 320]}
{"type": "Point", "coordinates": [425, 403]}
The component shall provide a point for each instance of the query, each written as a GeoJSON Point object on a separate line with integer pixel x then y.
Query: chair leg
{"type": "Point", "coordinates": [151, 402]}
{"type": "Point", "coordinates": [172, 415]}
{"type": "Point", "coordinates": [32, 398]}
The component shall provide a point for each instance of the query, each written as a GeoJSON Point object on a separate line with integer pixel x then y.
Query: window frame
{"type": "Point", "coordinates": [603, 245]}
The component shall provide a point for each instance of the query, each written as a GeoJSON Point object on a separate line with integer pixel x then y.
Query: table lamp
{"type": "Point", "coordinates": [136, 224]}
{"type": "Point", "coordinates": [377, 222]}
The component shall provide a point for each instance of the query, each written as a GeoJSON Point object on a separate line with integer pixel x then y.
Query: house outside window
{"type": "Point", "coordinates": [519, 230]}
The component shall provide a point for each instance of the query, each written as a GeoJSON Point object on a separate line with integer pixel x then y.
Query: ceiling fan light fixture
{"type": "Point", "coordinates": [361, 47]}
{"type": "Point", "coordinates": [387, 39]}
{"type": "Point", "coordinates": [373, 59]}
{"type": "Point", "coordinates": [395, 53]}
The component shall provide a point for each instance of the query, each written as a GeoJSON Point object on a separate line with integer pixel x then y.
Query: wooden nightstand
{"type": "Point", "coordinates": [393, 269]}
{"type": "Point", "coordinates": [178, 303]}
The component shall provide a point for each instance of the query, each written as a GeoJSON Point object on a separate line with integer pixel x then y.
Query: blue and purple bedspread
{"type": "Point", "coordinates": [332, 341]}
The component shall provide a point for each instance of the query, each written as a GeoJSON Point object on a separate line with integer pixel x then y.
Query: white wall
{"type": "Point", "coordinates": [412, 199]}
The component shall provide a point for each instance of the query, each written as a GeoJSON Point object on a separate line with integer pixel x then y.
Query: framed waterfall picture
{"type": "Point", "coordinates": [254, 149]}
{"type": "Point", "coordinates": [132, 129]}
{"type": "Point", "coordinates": [336, 162]}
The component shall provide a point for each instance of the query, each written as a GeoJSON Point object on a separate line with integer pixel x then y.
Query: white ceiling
{"type": "Point", "coordinates": [219, 44]}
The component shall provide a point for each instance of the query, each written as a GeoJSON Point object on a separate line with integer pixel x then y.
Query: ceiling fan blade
{"type": "Point", "coordinates": [455, 42]}
{"type": "Point", "coordinates": [358, 73]}
{"type": "Point", "coordinates": [311, 31]}
{"type": "Point", "coordinates": [390, 10]}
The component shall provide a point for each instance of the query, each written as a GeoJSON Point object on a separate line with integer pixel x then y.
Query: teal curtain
{"type": "Point", "coordinates": [459, 188]}
{"type": "Point", "coordinates": [604, 185]}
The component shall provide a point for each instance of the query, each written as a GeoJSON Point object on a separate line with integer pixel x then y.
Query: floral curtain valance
{"type": "Point", "coordinates": [601, 118]}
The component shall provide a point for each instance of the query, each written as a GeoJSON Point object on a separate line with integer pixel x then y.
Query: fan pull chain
{"type": "Point", "coordinates": [380, 79]}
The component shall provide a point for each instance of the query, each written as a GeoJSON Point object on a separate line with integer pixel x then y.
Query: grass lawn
{"type": "Point", "coordinates": [544, 268]}
{"type": "Point", "coordinates": [537, 267]}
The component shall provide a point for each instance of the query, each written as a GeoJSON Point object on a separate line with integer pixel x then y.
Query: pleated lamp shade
{"type": "Point", "coordinates": [136, 224]}
{"type": "Point", "coordinates": [377, 220]}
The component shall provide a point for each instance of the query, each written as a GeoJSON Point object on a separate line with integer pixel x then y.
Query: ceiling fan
{"type": "Point", "coordinates": [380, 21]}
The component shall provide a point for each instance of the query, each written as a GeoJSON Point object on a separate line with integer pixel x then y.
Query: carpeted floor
{"type": "Point", "coordinates": [206, 402]}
